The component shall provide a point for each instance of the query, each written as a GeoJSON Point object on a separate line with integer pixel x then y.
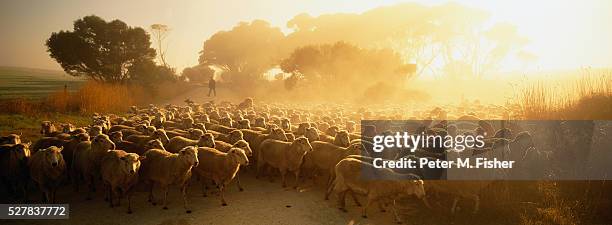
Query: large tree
{"type": "Point", "coordinates": [245, 52]}
{"type": "Point", "coordinates": [103, 51]}
{"type": "Point", "coordinates": [343, 65]}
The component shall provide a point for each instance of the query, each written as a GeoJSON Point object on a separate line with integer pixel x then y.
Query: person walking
{"type": "Point", "coordinates": [211, 86]}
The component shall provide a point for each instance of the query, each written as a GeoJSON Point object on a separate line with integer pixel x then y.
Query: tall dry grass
{"type": "Point", "coordinates": [95, 97]}
{"type": "Point", "coordinates": [587, 96]}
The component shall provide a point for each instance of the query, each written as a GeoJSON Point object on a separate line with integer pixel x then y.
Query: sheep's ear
{"type": "Point", "coordinates": [28, 144]}
{"type": "Point", "coordinates": [61, 148]}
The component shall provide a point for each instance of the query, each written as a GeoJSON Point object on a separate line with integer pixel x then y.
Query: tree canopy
{"type": "Point", "coordinates": [245, 52]}
{"type": "Point", "coordinates": [104, 51]}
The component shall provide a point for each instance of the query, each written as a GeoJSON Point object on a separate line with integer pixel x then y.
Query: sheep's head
{"type": "Point", "coordinates": [342, 139]}
{"type": "Point", "coordinates": [150, 130]}
{"type": "Point", "coordinates": [279, 134]}
{"type": "Point", "coordinates": [239, 156]}
{"type": "Point", "coordinates": [201, 126]}
{"type": "Point", "coordinates": [244, 145]}
{"type": "Point", "coordinates": [312, 134]}
{"type": "Point", "coordinates": [82, 137]}
{"type": "Point", "coordinates": [13, 139]}
{"type": "Point", "coordinates": [286, 124]}
{"type": "Point", "coordinates": [331, 131]}
{"type": "Point", "coordinates": [190, 155]}
{"type": "Point", "coordinates": [102, 141]}
{"type": "Point", "coordinates": [116, 136]}
{"type": "Point", "coordinates": [356, 149]}
{"type": "Point", "coordinates": [155, 144]}
{"type": "Point", "coordinates": [142, 128]}
{"type": "Point", "coordinates": [244, 124]}
{"type": "Point", "coordinates": [95, 130]}
{"type": "Point", "coordinates": [131, 163]}
{"type": "Point", "coordinates": [417, 188]}
{"type": "Point", "coordinates": [452, 130]}
{"type": "Point", "coordinates": [207, 140]}
{"type": "Point", "coordinates": [53, 156]}
{"type": "Point", "coordinates": [226, 121]}
{"type": "Point", "coordinates": [302, 128]}
{"type": "Point", "coordinates": [47, 127]}
{"type": "Point", "coordinates": [235, 135]}
{"type": "Point", "coordinates": [302, 145]}
{"type": "Point", "coordinates": [160, 134]}
{"type": "Point", "coordinates": [350, 126]}
{"type": "Point", "coordinates": [196, 133]}
{"type": "Point", "coordinates": [68, 127]}
{"type": "Point", "coordinates": [260, 122]}
{"type": "Point", "coordinates": [22, 150]}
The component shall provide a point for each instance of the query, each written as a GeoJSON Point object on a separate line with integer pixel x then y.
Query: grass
{"type": "Point", "coordinates": [29, 125]}
{"type": "Point", "coordinates": [587, 96]}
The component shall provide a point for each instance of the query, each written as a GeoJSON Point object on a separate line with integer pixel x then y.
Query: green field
{"type": "Point", "coordinates": [16, 82]}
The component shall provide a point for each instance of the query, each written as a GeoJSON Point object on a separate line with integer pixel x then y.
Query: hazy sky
{"type": "Point", "coordinates": [564, 34]}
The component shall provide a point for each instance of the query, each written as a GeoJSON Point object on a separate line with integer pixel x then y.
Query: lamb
{"type": "Point", "coordinates": [14, 167]}
{"type": "Point", "coordinates": [244, 124]}
{"type": "Point", "coordinates": [119, 171]}
{"type": "Point", "coordinates": [95, 130]}
{"type": "Point", "coordinates": [165, 168]}
{"type": "Point", "coordinates": [47, 168]}
{"type": "Point", "coordinates": [86, 161]}
{"type": "Point", "coordinates": [48, 129]}
{"type": "Point", "coordinates": [276, 134]}
{"type": "Point", "coordinates": [71, 146]}
{"type": "Point", "coordinates": [387, 185]}
{"type": "Point", "coordinates": [177, 143]}
{"type": "Point", "coordinates": [285, 156]}
{"type": "Point", "coordinates": [220, 167]}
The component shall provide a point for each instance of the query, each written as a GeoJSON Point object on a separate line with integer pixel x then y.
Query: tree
{"type": "Point", "coordinates": [245, 52]}
{"type": "Point", "coordinates": [160, 32]}
{"type": "Point", "coordinates": [103, 51]}
{"type": "Point", "coordinates": [198, 74]}
{"type": "Point", "coordinates": [342, 65]}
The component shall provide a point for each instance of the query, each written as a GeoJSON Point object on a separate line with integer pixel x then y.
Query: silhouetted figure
{"type": "Point", "coordinates": [211, 86]}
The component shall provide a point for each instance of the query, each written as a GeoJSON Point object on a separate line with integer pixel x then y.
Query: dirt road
{"type": "Point", "coordinates": [262, 202]}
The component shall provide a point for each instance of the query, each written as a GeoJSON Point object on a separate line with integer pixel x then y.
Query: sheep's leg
{"type": "Point", "coordinates": [221, 190]}
{"type": "Point", "coordinates": [165, 190]}
{"type": "Point", "coordinates": [151, 198]}
{"type": "Point", "coordinates": [110, 195]}
{"type": "Point", "coordinates": [476, 204]}
{"type": "Point", "coordinates": [297, 179]}
{"type": "Point", "coordinates": [184, 192]}
{"type": "Point", "coordinates": [355, 198]}
{"type": "Point", "coordinates": [364, 213]}
{"type": "Point", "coordinates": [129, 203]}
{"type": "Point", "coordinates": [283, 174]}
{"type": "Point", "coordinates": [330, 182]}
{"type": "Point", "coordinates": [204, 186]}
{"type": "Point", "coordinates": [238, 182]}
{"type": "Point", "coordinates": [394, 209]}
{"type": "Point", "coordinates": [455, 201]}
{"type": "Point", "coordinates": [341, 200]}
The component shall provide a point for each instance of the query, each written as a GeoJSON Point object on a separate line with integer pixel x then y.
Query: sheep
{"type": "Point", "coordinates": [244, 124]}
{"type": "Point", "coordinates": [341, 138]}
{"type": "Point", "coordinates": [301, 130]}
{"type": "Point", "coordinates": [232, 137]}
{"type": "Point", "coordinates": [11, 139]}
{"type": "Point", "coordinates": [48, 129]}
{"type": "Point", "coordinates": [119, 127]}
{"type": "Point", "coordinates": [284, 156]}
{"type": "Point", "coordinates": [95, 130]}
{"type": "Point", "coordinates": [70, 147]}
{"type": "Point", "coordinates": [46, 142]}
{"type": "Point", "coordinates": [177, 143]}
{"type": "Point", "coordinates": [241, 144]}
{"type": "Point", "coordinates": [142, 140]}
{"type": "Point", "coordinates": [276, 134]}
{"type": "Point", "coordinates": [324, 156]}
{"type": "Point", "coordinates": [47, 168]}
{"type": "Point", "coordinates": [386, 185]}
{"type": "Point", "coordinates": [14, 166]}
{"type": "Point", "coordinates": [119, 171]}
{"type": "Point", "coordinates": [128, 146]}
{"type": "Point", "coordinates": [220, 167]}
{"type": "Point", "coordinates": [86, 161]}
{"type": "Point", "coordinates": [165, 168]}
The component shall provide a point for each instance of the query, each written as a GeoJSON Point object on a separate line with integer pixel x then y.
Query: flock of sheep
{"type": "Point", "coordinates": [179, 145]}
